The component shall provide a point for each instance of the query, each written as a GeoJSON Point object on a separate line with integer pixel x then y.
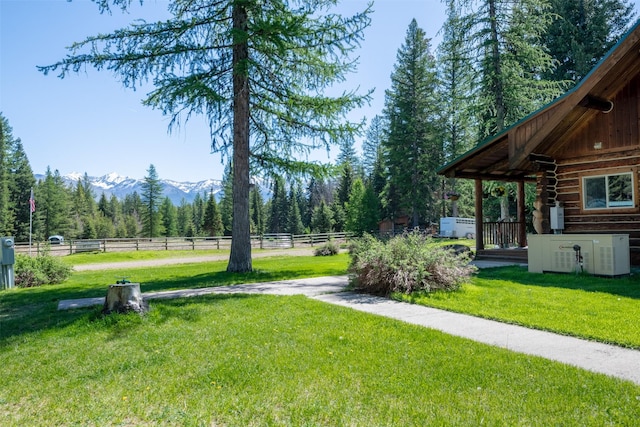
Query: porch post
{"type": "Point", "coordinates": [479, 218]}
{"type": "Point", "coordinates": [522, 229]}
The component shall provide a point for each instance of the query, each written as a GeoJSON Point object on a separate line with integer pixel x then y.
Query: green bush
{"type": "Point", "coordinates": [408, 263]}
{"type": "Point", "coordinates": [328, 248]}
{"type": "Point", "coordinates": [39, 270]}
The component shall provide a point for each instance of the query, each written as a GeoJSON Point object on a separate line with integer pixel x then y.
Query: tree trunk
{"type": "Point", "coordinates": [124, 297]}
{"type": "Point", "coordinates": [496, 73]}
{"type": "Point", "coordinates": [240, 256]}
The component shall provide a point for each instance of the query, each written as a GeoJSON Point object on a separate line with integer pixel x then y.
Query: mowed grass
{"type": "Point", "coordinates": [103, 257]}
{"type": "Point", "coordinates": [597, 308]}
{"type": "Point", "coordinates": [241, 360]}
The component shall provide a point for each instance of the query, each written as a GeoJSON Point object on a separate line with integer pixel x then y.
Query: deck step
{"type": "Point", "coordinates": [520, 255]}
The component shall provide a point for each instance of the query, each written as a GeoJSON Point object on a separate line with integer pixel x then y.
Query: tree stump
{"type": "Point", "coordinates": [124, 297]}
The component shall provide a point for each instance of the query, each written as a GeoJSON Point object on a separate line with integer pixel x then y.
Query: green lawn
{"type": "Point", "coordinates": [268, 360]}
{"type": "Point", "coordinates": [602, 309]}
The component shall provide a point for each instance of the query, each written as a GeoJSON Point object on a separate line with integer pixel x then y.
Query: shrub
{"type": "Point", "coordinates": [328, 248]}
{"type": "Point", "coordinates": [408, 263]}
{"type": "Point", "coordinates": [39, 270]}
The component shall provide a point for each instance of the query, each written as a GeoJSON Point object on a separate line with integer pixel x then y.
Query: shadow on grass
{"type": "Point", "coordinates": [33, 318]}
{"type": "Point", "coordinates": [221, 278]}
{"type": "Point", "coordinates": [627, 286]}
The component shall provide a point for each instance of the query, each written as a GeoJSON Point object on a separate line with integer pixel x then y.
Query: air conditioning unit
{"type": "Point", "coordinates": [599, 254]}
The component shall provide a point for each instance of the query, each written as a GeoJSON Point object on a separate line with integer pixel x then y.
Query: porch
{"type": "Point", "coordinates": [507, 242]}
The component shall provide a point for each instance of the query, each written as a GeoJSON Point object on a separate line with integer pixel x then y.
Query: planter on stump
{"type": "Point", "coordinates": [124, 297]}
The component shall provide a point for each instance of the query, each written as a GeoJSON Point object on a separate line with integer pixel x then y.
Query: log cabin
{"type": "Point", "coordinates": [582, 152]}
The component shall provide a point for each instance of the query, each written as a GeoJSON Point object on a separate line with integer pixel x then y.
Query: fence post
{"type": "Point", "coordinates": [104, 246]}
{"type": "Point", "coordinates": [166, 243]}
{"type": "Point", "coordinates": [261, 238]}
{"type": "Point", "coordinates": [293, 245]}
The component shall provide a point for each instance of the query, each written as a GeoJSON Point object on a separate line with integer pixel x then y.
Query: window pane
{"type": "Point", "coordinates": [595, 192]}
{"type": "Point", "coordinates": [620, 190]}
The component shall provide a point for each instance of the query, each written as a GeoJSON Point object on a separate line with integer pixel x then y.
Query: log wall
{"type": "Point", "coordinates": [608, 144]}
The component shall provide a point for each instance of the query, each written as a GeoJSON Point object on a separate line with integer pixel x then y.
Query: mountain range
{"type": "Point", "coordinates": [119, 186]}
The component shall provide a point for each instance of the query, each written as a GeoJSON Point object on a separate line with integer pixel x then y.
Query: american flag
{"type": "Point", "coordinates": [32, 202]}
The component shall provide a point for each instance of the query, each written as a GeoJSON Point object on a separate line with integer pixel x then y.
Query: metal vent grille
{"type": "Point", "coordinates": [606, 256]}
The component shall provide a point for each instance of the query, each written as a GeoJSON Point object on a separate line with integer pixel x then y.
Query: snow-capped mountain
{"type": "Point", "coordinates": [120, 186]}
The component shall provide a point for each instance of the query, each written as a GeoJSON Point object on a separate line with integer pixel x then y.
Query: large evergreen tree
{"type": "Point", "coordinates": [53, 208]}
{"type": "Point", "coordinates": [456, 80]}
{"type": "Point", "coordinates": [256, 69]}
{"type": "Point", "coordinates": [6, 220]}
{"type": "Point", "coordinates": [322, 219]}
{"type": "Point", "coordinates": [583, 33]}
{"type": "Point", "coordinates": [6, 143]}
{"type": "Point", "coordinates": [21, 183]}
{"type": "Point", "coordinates": [511, 59]}
{"type": "Point", "coordinates": [412, 145]}
{"type": "Point", "coordinates": [212, 223]}
{"type": "Point", "coordinates": [372, 142]}
{"type": "Point", "coordinates": [151, 199]}
{"type": "Point", "coordinates": [279, 207]}
{"type": "Point", "coordinates": [294, 217]}
{"type": "Point", "coordinates": [169, 217]}
{"type": "Point", "coordinates": [185, 219]}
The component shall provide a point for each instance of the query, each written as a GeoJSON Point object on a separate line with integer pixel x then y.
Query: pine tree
{"type": "Point", "coordinates": [20, 185]}
{"type": "Point", "coordinates": [317, 191]}
{"type": "Point", "coordinates": [344, 184]}
{"type": "Point", "coordinates": [279, 207]}
{"type": "Point", "coordinates": [338, 216]}
{"type": "Point", "coordinates": [53, 209]}
{"type": "Point", "coordinates": [151, 199]}
{"type": "Point", "coordinates": [294, 219]}
{"type": "Point", "coordinates": [169, 218]}
{"type": "Point", "coordinates": [373, 140]}
{"type": "Point", "coordinates": [412, 145]}
{"type": "Point", "coordinates": [456, 82]}
{"type": "Point", "coordinates": [212, 223]}
{"type": "Point", "coordinates": [6, 217]}
{"type": "Point", "coordinates": [103, 226]}
{"type": "Point", "coordinates": [512, 59]}
{"type": "Point", "coordinates": [354, 209]}
{"type": "Point", "coordinates": [249, 66]}
{"type": "Point", "coordinates": [185, 219]}
{"type": "Point", "coordinates": [103, 206]}
{"type": "Point", "coordinates": [257, 211]}
{"type": "Point", "coordinates": [347, 154]}
{"type": "Point", "coordinates": [198, 215]}
{"type": "Point", "coordinates": [583, 33]}
{"type": "Point", "coordinates": [456, 78]}
{"type": "Point", "coordinates": [322, 221]}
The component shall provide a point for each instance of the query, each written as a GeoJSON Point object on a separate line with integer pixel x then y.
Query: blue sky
{"type": "Point", "coordinates": [90, 123]}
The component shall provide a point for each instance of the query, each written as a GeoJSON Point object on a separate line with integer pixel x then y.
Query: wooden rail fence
{"type": "Point", "coordinates": [267, 241]}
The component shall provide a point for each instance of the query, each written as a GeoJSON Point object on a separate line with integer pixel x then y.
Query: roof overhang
{"type": "Point", "coordinates": [510, 156]}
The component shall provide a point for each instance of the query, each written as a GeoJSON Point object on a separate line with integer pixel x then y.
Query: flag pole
{"type": "Point", "coordinates": [31, 209]}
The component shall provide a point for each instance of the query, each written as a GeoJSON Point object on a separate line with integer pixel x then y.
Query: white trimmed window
{"type": "Point", "coordinates": [608, 191]}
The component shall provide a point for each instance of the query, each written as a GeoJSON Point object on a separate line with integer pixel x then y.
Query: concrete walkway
{"type": "Point", "coordinates": [596, 357]}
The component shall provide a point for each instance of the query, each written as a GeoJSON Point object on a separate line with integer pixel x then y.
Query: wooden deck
{"type": "Point", "coordinates": [511, 255]}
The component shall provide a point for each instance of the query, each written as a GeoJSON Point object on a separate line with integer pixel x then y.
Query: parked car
{"type": "Point", "coordinates": [56, 240]}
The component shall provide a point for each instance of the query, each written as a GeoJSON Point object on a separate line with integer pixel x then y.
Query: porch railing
{"type": "Point", "coordinates": [502, 234]}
